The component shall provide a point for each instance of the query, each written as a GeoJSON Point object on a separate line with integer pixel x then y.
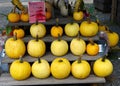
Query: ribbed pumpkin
{"type": "Point", "coordinates": [56, 30]}
{"type": "Point", "coordinates": [20, 70]}
{"type": "Point", "coordinates": [36, 47]}
{"type": "Point", "coordinates": [15, 48]}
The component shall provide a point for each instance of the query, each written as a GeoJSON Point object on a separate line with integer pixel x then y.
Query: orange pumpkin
{"type": "Point", "coordinates": [24, 17]}
{"type": "Point", "coordinates": [56, 30]}
{"type": "Point", "coordinates": [13, 16]}
{"type": "Point", "coordinates": [20, 32]}
{"type": "Point", "coordinates": [48, 15]}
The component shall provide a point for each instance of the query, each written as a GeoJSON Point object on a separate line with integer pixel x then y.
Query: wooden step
{"type": "Point", "coordinates": [6, 79]}
{"type": "Point", "coordinates": [49, 57]}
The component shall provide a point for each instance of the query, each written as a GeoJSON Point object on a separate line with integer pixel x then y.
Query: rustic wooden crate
{"type": "Point", "coordinates": [103, 5]}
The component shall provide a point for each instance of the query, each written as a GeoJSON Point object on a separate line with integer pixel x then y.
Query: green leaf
{"type": "Point", "coordinates": [8, 30]}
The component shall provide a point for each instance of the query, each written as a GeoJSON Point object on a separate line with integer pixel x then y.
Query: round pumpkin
{"type": "Point", "coordinates": [113, 38]}
{"type": "Point", "coordinates": [77, 46]}
{"type": "Point", "coordinates": [92, 48]}
{"type": "Point", "coordinates": [59, 47]}
{"type": "Point", "coordinates": [36, 48]}
{"type": "Point", "coordinates": [102, 67]}
{"type": "Point", "coordinates": [15, 48]}
{"type": "Point", "coordinates": [88, 28]}
{"type": "Point", "coordinates": [41, 69]}
{"type": "Point", "coordinates": [24, 17]}
{"type": "Point", "coordinates": [20, 70]}
{"type": "Point", "coordinates": [60, 68]}
{"type": "Point", "coordinates": [48, 15]}
{"type": "Point", "coordinates": [38, 29]}
{"type": "Point", "coordinates": [78, 15]}
{"type": "Point", "coordinates": [13, 17]}
{"type": "Point", "coordinates": [71, 29]}
{"type": "Point", "coordinates": [20, 32]}
{"type": "Point", "coordinates": [80, 69]}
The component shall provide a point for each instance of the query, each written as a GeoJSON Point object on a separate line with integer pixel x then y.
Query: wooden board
{"type": "Point", "coordinates": [6, 79]}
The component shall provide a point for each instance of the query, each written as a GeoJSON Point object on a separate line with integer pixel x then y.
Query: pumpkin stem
{"type": "Point", "coordinates": [14, 9]}
{"type": "Point", "coordinates": [59, 37]}
{"type": "Point", "coordinates": [15, 36]}
{"type": "Point", "coordinates": [21, 59]}
{"type": "Point", "coordinates": [78, 36]}
{"type": "Point", "coordinates": [37, 38]}
{"type": "Point", "coordinates": [57, 21]}
{"type": "Point", "coordinates": [91, 41]}
{"type": "Point", "coordinates": [60, 60]}
{"type": "Point", "coordinates": [104, 57]}
{"type": "Point", "coordinates": [79, 59]}
{"type": "Point", "coordinates": [39, 60]}
{"type": "Point", "coordinates": [89, 20]}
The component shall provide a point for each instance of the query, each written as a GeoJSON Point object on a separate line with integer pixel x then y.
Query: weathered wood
{"type": "Point", "coordinates": [6, 79]}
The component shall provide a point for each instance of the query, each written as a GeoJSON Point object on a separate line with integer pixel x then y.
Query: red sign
{"type": "Point", "coordinates": [36, 11]}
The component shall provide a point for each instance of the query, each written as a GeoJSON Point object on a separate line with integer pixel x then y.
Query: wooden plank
{"type": "Point", "coordinates": [49, 38]}
{"type": "Point", "coordinates": [49, 57]}
{"type": "Point", "coordinates": [62, 20]}
{"type": "Point", "coordinates": [6, 79]}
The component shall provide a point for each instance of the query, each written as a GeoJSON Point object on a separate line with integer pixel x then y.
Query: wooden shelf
{"type": "Point", "coordinates": [49, 57]}
{"type": "Point", "coordinates": [49, 38]}
{"type": "Point", "coordinates": [63, 20]}
{"type": "Point", "coordinates": [6, 79]}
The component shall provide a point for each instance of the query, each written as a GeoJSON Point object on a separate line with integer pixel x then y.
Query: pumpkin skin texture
{"type": "Point", "coordinates": [24, 17]}
{"type": "Point", "coordinates": [20, 71]}
{"type": "Point", "coordinates": [102, 68]}
{"type": "Point", "coordinates": [41, 69]}
{"type": "Point", "coordinates": [92, 49]}
{"type": "Point", "coordinates": [71, 29]}
{"type": "Point", "coordinates": [78, 15]}
{"type": "Point", "coordinates": [81, 69]}
{"type": "Point", "coordinates": [59, 47]}
{"type": "Point", "coordinates": [77, 46]}
{"type": "Point", "coordinates": [38, 29]}
{"type": "Point", "coordinates": [13, 17]}
{"type": "Point", "coordinates": [55, 30]}
{"type": "Point", "coordinates": [15, 48]}
{"type": "Point", "coordinates": [60, 68]}
{"type": "Point", "coordinates": [113, 38]}
{"type": "Point", "coordinates": [20, 32]}
{"type": "Point", "coordinates": [36, 48]}
{"type": "Point", "coordinates": [88, 29]}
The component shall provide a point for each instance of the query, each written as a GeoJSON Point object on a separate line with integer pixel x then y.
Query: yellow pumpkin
{"type": "Point", "coordinates": [77, 46]}
{"type": "Point", "coordinates": [38, 29]}
{"type": "Point", "coordinates": [78, 15]}
{"type": "Point", "coordinates": [80, 69]}
{"type": "Point", "coordinates": [24, 17]}
{"type": "Point", "coordinates": [20, 70]}
{"type": "Point", "coordinates": [88, 28]}
{"type": "Point", "coordinates": [71, 29]}
{"type": "Point", "coordinates": [92, 48]}
{"type": "Point", "coordinates": [60, 68]}
{"type": "Point", "coordinates": [36, 48]}
{"type": "Point", "coordinates": [59, 47]}
{"type": "Point", "coordinates": [20, 32]}
{"type": "Point", "coordinates": [113, 38]}
{"type": "Point", "coordinates": [15, 48]}
{"type": "Point", "coordinates": [41, 69]}
{"type": "Point", "coordinates": [103, 67]}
